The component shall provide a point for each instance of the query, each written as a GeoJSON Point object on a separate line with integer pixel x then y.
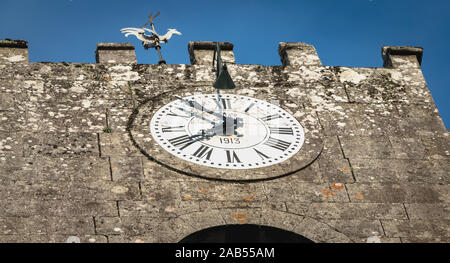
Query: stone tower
{"type": "Point", "coordinates": [77, 157]}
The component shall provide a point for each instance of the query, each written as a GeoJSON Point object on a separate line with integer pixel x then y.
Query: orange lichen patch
{"type": "Point", "coordinates": [106, 78]}
{"type": "Point", "coordinates": [241, 218]}
{"type": "Point", "coordinates": [337, 186]}
{"type": "Point", "coordinates": [328, 193]}
{"type": "Point", "coordinates": [112, 166]}
{"type": "Point", "coordinates": [359, 196]}
{"type": "Point", "coordinates": [247, 198]}
{"type": "Point", "coordinates": [345, 169]}
{"type": "Point", "coordinates": [203, 190]}
{"type": "Point", "coordinates": [187, 197]}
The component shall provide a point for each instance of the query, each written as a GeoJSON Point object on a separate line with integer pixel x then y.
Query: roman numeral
{"type": "Point", "coordinates": [173, 129]}
{"type": "Point", "coordinates": [203, 151]}
{"type": "Point", "coordinates": [183, 141]}
{"type": "Point", "coordinates": [232, 157]}
{"type": "Point", "coordinates": [262, 155]}
{"type": "Point", "coordinates": [277, 144]}
{"type": "Point", "coordinates": [226, 103]}
{"type": "Point", "coordinates": [281, 130]}
{"type": "Point", "coordinates": [271, 117]}
{"type": "Point", "coordinates": [249, 107]}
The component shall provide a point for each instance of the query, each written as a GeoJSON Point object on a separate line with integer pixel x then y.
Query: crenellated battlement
{"type": "Point", "coordinates": [295, 54]}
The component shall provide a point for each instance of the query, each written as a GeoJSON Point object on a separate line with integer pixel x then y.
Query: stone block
{"type": "Point", "coordinates": [155, 208]}
{"type": "Point", "coordinates": [428, 211]}
{"type": "Point", "coordinates": [241, 216]}
{"type": "Point", "coordinates": [57, 208]}
{"type": "Point", "coordinates": [437, 146]}
{"type": "Point", "coordinates": [43, 169]}
{"type": "Point", "coordinates": [279, 219]}
{"type": "Point", "coordinates": [117, 144]}
{"type": "Point", "coordinates": [120, 53]}
{"type": "Point", "coordinates": [358, 230]}
{"type": "Point", "coordinates": [366, 147]}
{"type": "Point", "coordinates": [218, 191]}
{"type": "Point", "coordinates": [58, 144]}
{"type": "Point", "coordinates": [164, 190]}
{"type": "Point", "coordinates": [298, 54]}
{"type": "Point", "coordinates": [320, 232]}
{"type": "Point", "coordinates": [280, 191]}
{"type": "Point", "coordinates": [360, 211]}
{"type": "Point", "coordinates": [126, 169]}
{"type": "Point", "coordinates": [417, 229]}
{"type": "Point", "coordinates": [118, 119]}
{"type": "Point", "coordinates": [37, 225]}
{"type": "Point", "coordinates": [395, 170]}
{"type": "Point", "coordinates": [13, 51]}
{"type": "Point", "coordinates": [398, 193]}
{"type": "Point", "coordinates": [335, 170]}
{"type": "Point", "coordinates": [311, 192]}
{"type": "Point", "coordinates": [202, 52]}
{"type": "Point", "coordinates": [402, 56]}
{"type": "Point", "coordinates": [156, 172]}
{"type": "Point", "coordinates": [407, 148]}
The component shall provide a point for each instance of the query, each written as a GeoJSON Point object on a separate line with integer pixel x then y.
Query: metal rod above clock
{"type": "Point", "coordinates": [223, 78]}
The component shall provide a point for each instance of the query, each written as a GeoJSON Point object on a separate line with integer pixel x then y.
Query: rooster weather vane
{"type": "Point", "coordinates": [150, 41]}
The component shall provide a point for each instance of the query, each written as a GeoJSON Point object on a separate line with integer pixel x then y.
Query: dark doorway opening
{"type": "Point", "coordinates": [246, 233]}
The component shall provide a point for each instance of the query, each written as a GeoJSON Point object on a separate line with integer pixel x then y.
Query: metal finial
{"type": "Point", "coordinates": [150, 41]}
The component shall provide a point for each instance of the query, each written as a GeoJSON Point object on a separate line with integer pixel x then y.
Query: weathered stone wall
{"type": "Point", "coordinates": [68, 167]}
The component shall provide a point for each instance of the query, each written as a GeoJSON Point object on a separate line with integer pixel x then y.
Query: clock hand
{"type": "Point", "coordinates": [198, 116]}
{"type": "Point", "coordinates": [196, 105]}
{"type": "Point", "coordinates": [228, 123]}
{"type": "Point", "coordinates": [232, 122]}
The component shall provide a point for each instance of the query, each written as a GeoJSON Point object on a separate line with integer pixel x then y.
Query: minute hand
{"type": "Point", "coordinates": [196, 105]}
{"type": "Point", "coordinates": [198, 116]}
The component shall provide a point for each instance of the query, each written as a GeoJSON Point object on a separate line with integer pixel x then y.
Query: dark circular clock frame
{"type": "Point", "coordinates": [309, 152]}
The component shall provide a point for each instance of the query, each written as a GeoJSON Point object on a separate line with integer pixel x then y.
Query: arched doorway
{"type": "Point", "coordinates": [246, 233]}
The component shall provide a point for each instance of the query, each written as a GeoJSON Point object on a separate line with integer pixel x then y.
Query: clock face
{"type": "Point", "coordinates": [227, 131]}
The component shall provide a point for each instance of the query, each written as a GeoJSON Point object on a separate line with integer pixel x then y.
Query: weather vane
{"type": "Point", "coordinates": [150, 41]}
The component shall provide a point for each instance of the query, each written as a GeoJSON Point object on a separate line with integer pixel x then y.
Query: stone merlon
{"type": "Point", "coordinates": [402, 57]}
{"type": "Point", "coordinates": [120, 53]}
{"type": "Point", "coordinates": [298, 54]}
{"type": "Point", "coordinates": [202, 52]}
{"type": "Point", "coordinates": [13, 50]}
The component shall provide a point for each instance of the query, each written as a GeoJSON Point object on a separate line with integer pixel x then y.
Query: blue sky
{"type": "Point", "coordinates": [345, 33]}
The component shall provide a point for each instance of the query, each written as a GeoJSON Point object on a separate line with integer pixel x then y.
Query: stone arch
{"type": "Point", "coordinates": [244, 233]}
{"type": "Point", "coordinates": [175, 229]}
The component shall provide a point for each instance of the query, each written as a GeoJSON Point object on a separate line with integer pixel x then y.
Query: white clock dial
{"type": "Point", "coordinates": [230, 131]}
